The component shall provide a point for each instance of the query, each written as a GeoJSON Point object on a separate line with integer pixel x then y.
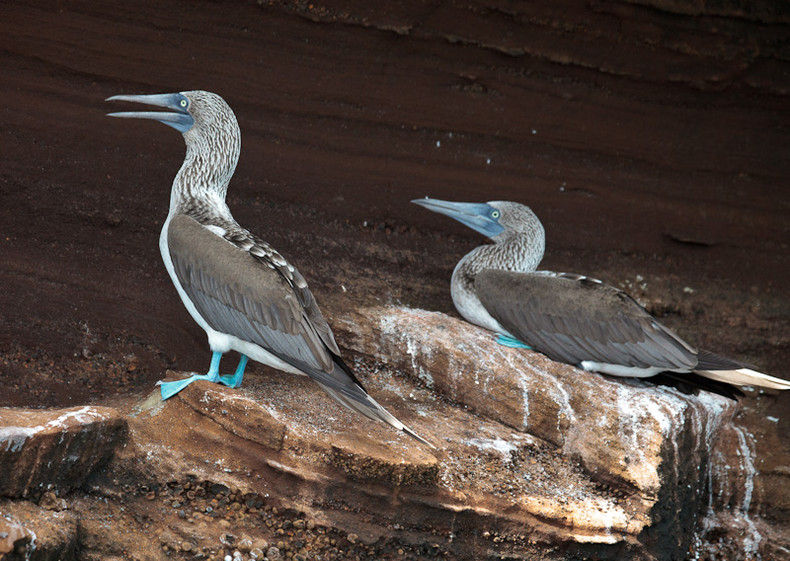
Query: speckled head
{"type": "Point", "coordinates": [517, 220]}
{"type": "Point", "coordinates": [499, 220]}
{"type": "Point", "coordinates": [211, 134]}
{"type": "Point", "coordinates": [211, 116]}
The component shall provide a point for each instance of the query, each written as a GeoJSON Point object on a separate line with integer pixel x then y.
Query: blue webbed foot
{"type": "Point", "coordinates": [512, 342]}
{"type": "Point", "coordinates": [235, 380]}
{"type": "Point", "coordinates": [169, 389]}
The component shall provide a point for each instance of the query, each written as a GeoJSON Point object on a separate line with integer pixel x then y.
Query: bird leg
{"type": "Point", "coordinates": [235, 380]}
{"type": "Point", "coordinates": [512, 342]}
{"type": "Point", "coordinates": [169, 389]}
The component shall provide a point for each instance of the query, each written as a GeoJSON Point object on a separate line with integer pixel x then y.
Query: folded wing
{"type": "Point", "coordinates": [572, 319]}
{"type": "Point", "coordinates": [254, 295]}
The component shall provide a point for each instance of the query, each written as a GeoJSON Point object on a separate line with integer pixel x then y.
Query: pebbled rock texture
{"type": "Point", "coordinates": [35, 533]}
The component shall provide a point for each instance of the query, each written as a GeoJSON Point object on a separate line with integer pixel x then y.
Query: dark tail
{"type": "Point", "coordinates": [347, 390]}
{"type": "Point", "coordinates": [715, 367]}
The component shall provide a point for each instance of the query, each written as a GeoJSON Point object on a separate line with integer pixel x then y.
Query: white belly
{"type": "Point", "coordinates": [624, 371]}
{"type": "Point", "coordinates": [470, 307]}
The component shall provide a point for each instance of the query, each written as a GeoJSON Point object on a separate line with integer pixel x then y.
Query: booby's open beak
{"type": "Point", "coordinates": [481, 217]}
{"type": "Point", "coordinates": [179, 119]}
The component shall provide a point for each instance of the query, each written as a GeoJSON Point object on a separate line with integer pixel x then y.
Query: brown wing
{"type": "Point", "coordinates": [254, 295]}
{"type": "Point", "coordinates": [239, 294]}
{"type": "Point", "coordinates": [269, 256]}
{"type": "Point", "coordinates": [572, 319]}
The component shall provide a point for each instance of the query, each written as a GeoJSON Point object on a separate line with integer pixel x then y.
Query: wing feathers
{"type": "Point", "coordinates": [239, 295]}
{"type": "Point", "coordinates": [571, 320]}
{"type": "Point", "coordinates": [267, 303]}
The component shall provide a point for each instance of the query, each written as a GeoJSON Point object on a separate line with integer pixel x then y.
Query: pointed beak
{"type": "Point", "coordinates": [179, 117]}
{"type": "Point", "coordinates": [480, 217]}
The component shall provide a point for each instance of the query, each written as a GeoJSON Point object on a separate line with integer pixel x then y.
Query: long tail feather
{"type": "Point", "coordinates": [370, 408]}
{"type": "Point", "coordinates": [745, 377]}
{"type": "Point", "coordinates": [715, 367]}
{"type": "Point", "coordinates": [691, 383]}
{"type": "Point", "coordinates": [349, 391]}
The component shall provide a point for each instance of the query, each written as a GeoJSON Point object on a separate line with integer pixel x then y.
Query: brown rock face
{"type": "Point", "coordinates": [627, 432]}
{"type": "Point", "coordinates": [31, 533]}
{"type": "Point", "coordinates": [651, 443]}
{"type": "Point", "coordinates": [12, 536]}
{"type": "Point", "coordinates": [533, 457]}
{"type": "Point", "coordinates": [651, 138]}
{"type": "Point", "coordinates": [54, 449]}
{"type": "Point", "coordinates": [340, 469]}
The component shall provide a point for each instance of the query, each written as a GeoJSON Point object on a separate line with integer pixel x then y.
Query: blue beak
{"type": "Point", "coordinates": [481, 217]}
{"type": "Point", "coordinates": [179, 119]}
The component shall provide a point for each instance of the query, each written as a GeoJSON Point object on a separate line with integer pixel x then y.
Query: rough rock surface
{"type": "Point", "coordinates": [630, 433]}
{"type": "Point", "coordinates": [35, 533]}
{"type": "Point", "coordinates": [650, 442]}
{"type": "Point", "coordinates": [55, 448]}
{"type": "Point", "coordinates": [589, 465]}
{"type": "Point", "coordinates": [281, 437]}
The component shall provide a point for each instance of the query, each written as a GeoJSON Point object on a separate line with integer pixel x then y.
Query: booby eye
{"type": "Point", "coordinates": [495, 214]}
{"type": "Point", "coordinates": [183, 103]}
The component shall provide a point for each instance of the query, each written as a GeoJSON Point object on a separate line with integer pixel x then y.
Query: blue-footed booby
{"type": "Point", "coordinates": [570, 318]}
{"type": "Point", "coordinates": [238, 288]}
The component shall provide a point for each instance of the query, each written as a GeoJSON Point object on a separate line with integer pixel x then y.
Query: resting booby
{"type": "Point", "coordinates": [239, 289]}
{"type": "Point", "coordinates": [569, 318]}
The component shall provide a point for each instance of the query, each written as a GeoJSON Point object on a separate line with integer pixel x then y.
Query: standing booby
{"type": "Point", "coordinates": [569, 318]}
{"type": "Point", "coordinates": [241, 291]}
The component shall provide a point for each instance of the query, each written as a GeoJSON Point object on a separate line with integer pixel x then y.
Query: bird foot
{"type": "Point", "coordinates": [233, 381]}
{"type": "Point", "coordinates": [512, 342]}
{"type": "Point", "coordinates": [169, 389]}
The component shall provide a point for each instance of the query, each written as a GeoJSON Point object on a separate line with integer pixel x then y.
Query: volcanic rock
{"type": "Point", "coordinates": [54, 448]}
{"type": "Point", "coordinates": [29, 532]}
{"type": "Point", "coordinates": [648, 442]}
{"type": "Point", "coordinates": [529, 452]}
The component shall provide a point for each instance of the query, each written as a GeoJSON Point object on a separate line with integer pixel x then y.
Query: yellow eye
{"type": "Point", "coordinates": [184, 103]}
{"type": "Point", "coordinates": [495, 214]}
